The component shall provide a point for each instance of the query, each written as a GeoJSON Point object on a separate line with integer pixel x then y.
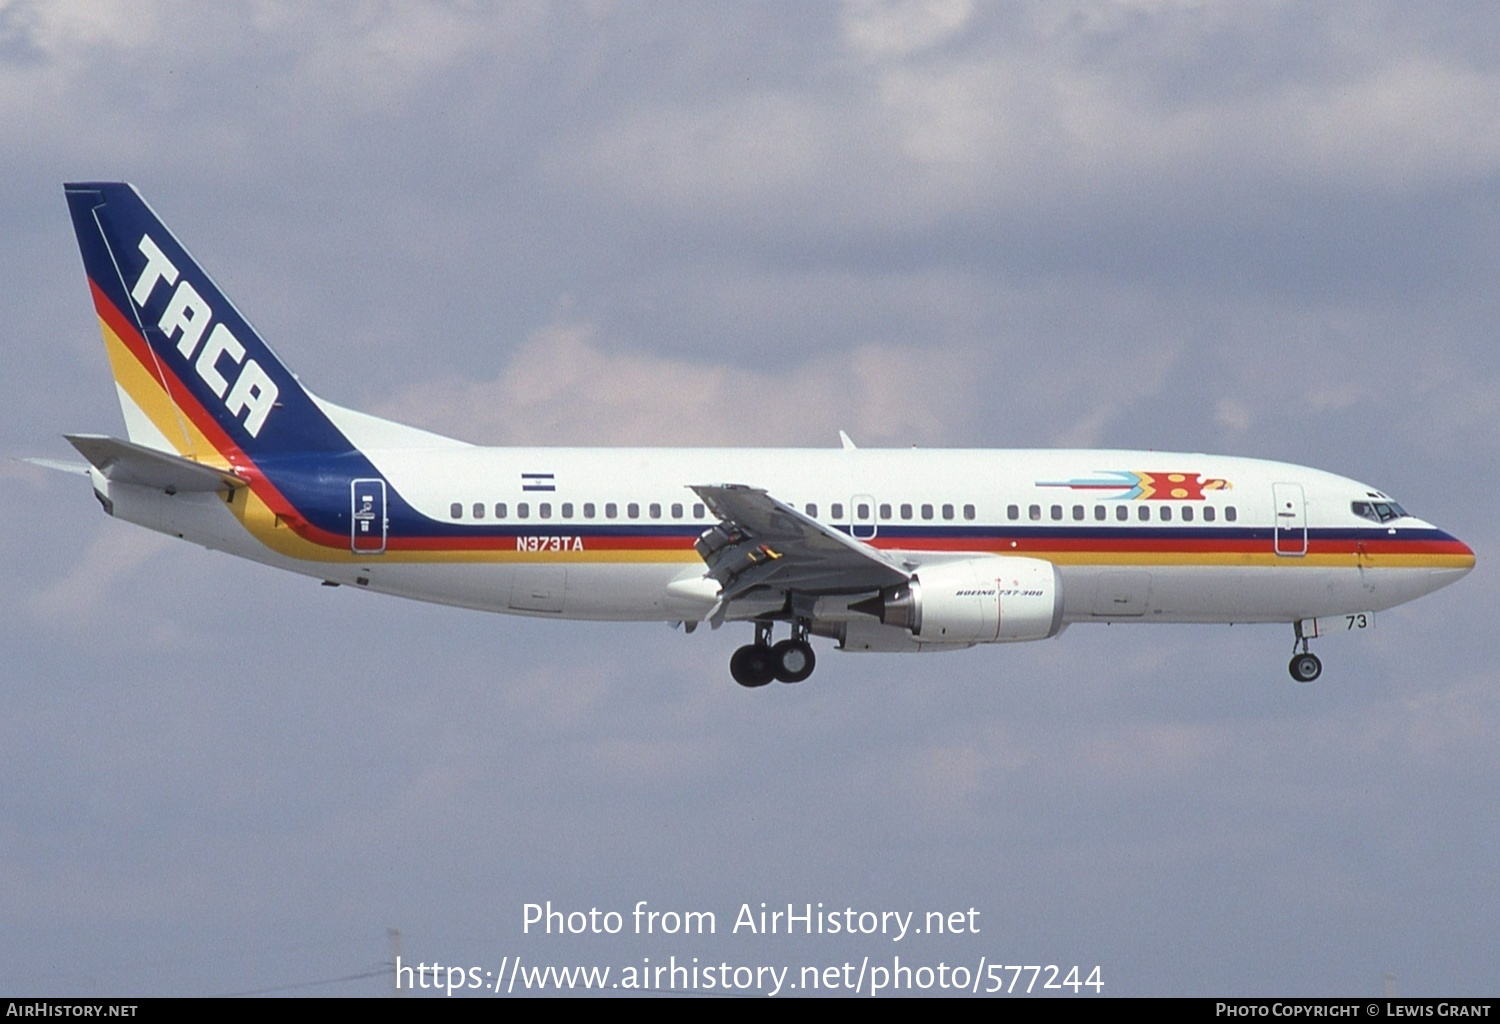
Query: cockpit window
{"type": "Point", "coordinates": [1378, 511]}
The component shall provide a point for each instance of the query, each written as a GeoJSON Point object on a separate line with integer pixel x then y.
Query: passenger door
{"type": "Point", "coordinates": [1291, 519]}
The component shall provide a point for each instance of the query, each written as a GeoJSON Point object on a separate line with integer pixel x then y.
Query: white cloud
{"type": "Point", "coordinates": [169, 81]}
{"type": "Point", "coordinates": [883, 28]}
{"type": "Point", "coordinates": [1092, 430]}
{"type": "Point", "coordinates": [1029, 116]}
{"type": "Point", "coordinates": [60, 30]}
{"type": "Point", "coordinates": [566, 386]}
{"type": "Point", "coordinates": [1233, 414]}
{"type": "Point", "coordinates": [1064, 108]}
{"type": "Point", "coordinates": [744, 152]}
{"type": "Point", "coordinates": [113, 555]}
{"type": "Point", "coordinates": [365, 56]}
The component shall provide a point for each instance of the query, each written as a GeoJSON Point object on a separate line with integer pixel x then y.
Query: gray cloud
{"type": "Point", "coordinates": [1267, 229]}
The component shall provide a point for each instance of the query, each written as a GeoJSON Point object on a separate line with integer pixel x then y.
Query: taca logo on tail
{"type": "Point", "coordinates": [194, 376]}
{"type": "Point", "coordinates": [188, 315]}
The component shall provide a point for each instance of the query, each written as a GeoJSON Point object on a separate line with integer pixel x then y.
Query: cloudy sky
{"type": "Point", "coordinates": [1265, 229]}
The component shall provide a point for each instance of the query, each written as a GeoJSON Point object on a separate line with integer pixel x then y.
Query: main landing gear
{"type": "Point", "coordinates": [790, 661]}
{"type": "Point", "coordinates": [1305, 666]}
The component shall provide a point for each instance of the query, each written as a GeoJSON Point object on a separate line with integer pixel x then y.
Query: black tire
{"type": "Point", "coordinates": [1305, 667]}
{"type": "Point", "coordinates": [752, 665]}
{"type": "Point", "coordinates": [794, 660]}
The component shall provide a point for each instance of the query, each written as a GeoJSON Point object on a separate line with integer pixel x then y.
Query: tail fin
{"type": "Point", "coordinates": [194, 377]}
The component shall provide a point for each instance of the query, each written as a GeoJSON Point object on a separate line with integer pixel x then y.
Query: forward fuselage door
{"type": "Point", "coordinates": [862, 525]}
{"type": "Point", "coordinates": [1291, 519]}
{"type": "Point", "coordinates": [367, 522]}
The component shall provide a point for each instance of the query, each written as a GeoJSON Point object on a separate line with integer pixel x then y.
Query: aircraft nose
{"type": "Point", "coordinates": [1455, 559]}
{"type": "Point", "coordinates": [1465, 552]}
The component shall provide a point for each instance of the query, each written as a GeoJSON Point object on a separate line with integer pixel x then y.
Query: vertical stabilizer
{"type": "Point", "coordinates": [194, 378]}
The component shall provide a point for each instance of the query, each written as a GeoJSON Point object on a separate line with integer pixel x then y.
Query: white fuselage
{"type": "Point", "coordinates": [606, 533]}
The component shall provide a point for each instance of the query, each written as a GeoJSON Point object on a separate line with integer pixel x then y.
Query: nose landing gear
{"type": "Point", "coordinates": [1305, 665]}
{"type": "Point", "coordinates": [791, 661]}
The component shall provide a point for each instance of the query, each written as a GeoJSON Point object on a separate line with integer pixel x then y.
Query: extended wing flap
{"type": "Point", "coordinates": [764, 543]}
{"type": "Point", "coordinates": [130, 463]}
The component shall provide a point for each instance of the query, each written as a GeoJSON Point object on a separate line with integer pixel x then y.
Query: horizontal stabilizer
{"type": "Point", "coordinates": [130, 463]}
{"type": "Point", "coordinates": [59, 465]}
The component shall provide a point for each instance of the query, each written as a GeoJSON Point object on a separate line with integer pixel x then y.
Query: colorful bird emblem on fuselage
{"type": "Point", "coordinates": [1138, 486]}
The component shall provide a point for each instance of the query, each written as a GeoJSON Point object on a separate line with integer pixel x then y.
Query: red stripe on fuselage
{"type": "Point", "coordinates": [1146, 543]}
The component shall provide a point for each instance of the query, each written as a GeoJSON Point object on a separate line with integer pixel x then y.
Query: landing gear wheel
{"type": "Point", "coordinates": [1305, 667]}
{"type": "Point", "coordinates": [753, 665]}
{"type": "Point", "coordinates": [793, 660]}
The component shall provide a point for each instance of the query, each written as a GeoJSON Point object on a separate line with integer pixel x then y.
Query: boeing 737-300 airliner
{"type": "Point", "coordinates": [879, 550]}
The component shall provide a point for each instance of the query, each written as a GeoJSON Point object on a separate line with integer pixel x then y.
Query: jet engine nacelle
{"type": "Point", "coordinates": [978, 600]}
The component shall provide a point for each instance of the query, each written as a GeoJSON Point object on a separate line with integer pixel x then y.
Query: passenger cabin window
{"type": "Point", "coordinates": [1013, 511]}
{"type": "Point", "coordinates": [969, 512]}
{"type": "Point", "coordinates": [588, 510]}
{"type": "Point", "coordinates": [1122, 513]}
{"type": "Point", "coordinates": [1230, 515]}
{"type": "Point", "coordinates": [1056, 513]}
{"type": "Point", "coordinates": [862, 512]}
{"type": "Point", "coordinates": [456, 510]}
{"type": "Point", "coordinates": [676, 510]}
{"type": "Point", "coordinates": [633, 510]}
{"type": "Point", "coordinates": [479, 510]}
{"type": "Point", "coordinates": [1144, 513]}
{"type": "Point", "coordinates": [567, 510]}
{"type": "Point", "coordinates": [699, 511]}
{"type": "Point", "coordinates": [905, 511]}
{"type": "Point", "coordinates": [836, 510]}
{"type": "Point", "coordinates": [1034, 513]}
{"type": "Point", "coordinates": [947, 511]}
{"type": "Point", "coordinates": [1100, 512]}
{"type": "Point", "coordinates": [523, 510]}
{"type": "Point", "coordinates": [611, 510]}
{"type": "Point", "coordinates": [1166, 513]}
{"type": "Point", "coordinates": [885, 510]}
{"type": "Point", "coordinates": [1209, 513]}
{"type": "Point", "coordinates": [655, 510]}
{"type": "Point", "coordinates": [1078, 513]}
{"type": "Point", "coordinates": [544, 510]}
{"type": "Point", "coordinates": [500, 511]}
{"type": "Point", "coordinates": [1187, 513]}
{"type": "Point", "coordinates": [812, 510]}
{"type": "Point", "coordinates": [926, 511]}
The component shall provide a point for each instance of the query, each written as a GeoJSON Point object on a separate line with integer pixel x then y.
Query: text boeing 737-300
{"type": "Point", "coordinates": [880, 550]}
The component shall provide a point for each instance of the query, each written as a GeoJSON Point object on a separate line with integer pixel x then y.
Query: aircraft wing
{"type": "Point", "coordinates": [762, 543]}
{"type": "Point", "coordinates": [136, 464]}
